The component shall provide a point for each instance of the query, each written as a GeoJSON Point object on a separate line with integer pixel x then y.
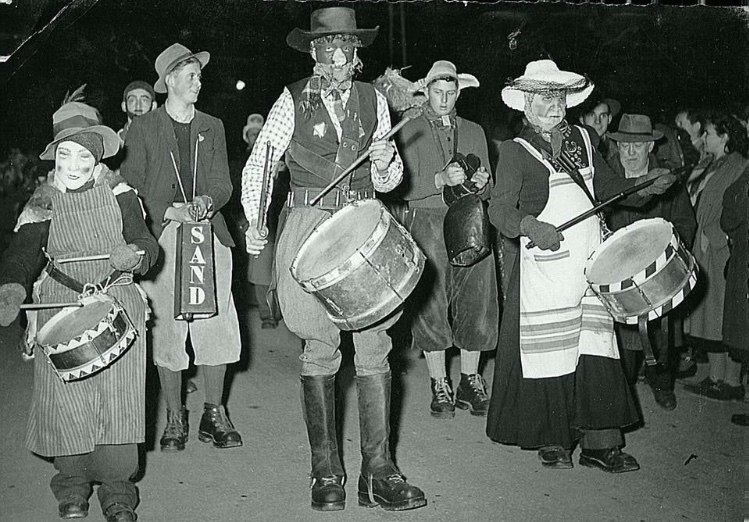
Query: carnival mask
{"type": "Point", "coordinates": [74, 165]}
{"type": "Point", "coordinates": [546, 111]}
{"type": "Point", "coordinates": [335, 58]}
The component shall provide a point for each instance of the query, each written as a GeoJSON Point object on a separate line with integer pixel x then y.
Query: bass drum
{"type": "Point", "coordinates": [360, 264]}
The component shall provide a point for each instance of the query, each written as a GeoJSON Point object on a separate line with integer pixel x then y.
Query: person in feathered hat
{"type": "Point", "coordinates": [546, 388]}
{"type": "Point", "coordinates": [90, 427]}
{"type": "Point", "coordinates": [322, 123]}
{"type": "Point", "coordinates": [177, 160]}
{"type": "Point", "coordinates": [431, 146]}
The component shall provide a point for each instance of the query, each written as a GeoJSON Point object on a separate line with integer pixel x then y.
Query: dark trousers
{"type": "Point", "coordinates": [112, 466]}
{"type": "Point", "coordinates": [658, 376]}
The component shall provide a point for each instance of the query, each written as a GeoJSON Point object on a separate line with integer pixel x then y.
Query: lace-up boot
{"type": "Point", "coordinates": [380, 481]}
{"type": "Point", "coordinates": [327, 476]}
{"type": "Point", "coordinates": [443, 402]}
{"type": "Point", "coordinates": [176, 431]}
{"type": "Point", "coordinates": [471, 394]}
{"type": "Point", "coordinates": [216, 427]}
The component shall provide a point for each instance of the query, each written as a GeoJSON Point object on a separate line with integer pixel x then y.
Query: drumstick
{"type": "Point", "coordinates": [36, 306]}
{"type": "Point", "coordinates": [260, 223]}
{"type": "Point", "coordinates": [92, 258]}
{"type": "Point", "coordinates": [631, 190]}
{"type": "Point", "coordinates": [358, 161]}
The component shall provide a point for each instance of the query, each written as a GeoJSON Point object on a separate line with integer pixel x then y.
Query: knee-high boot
{"type": "Point", "coordinates": [327, 476]}
{"type": "Point", "coordinates": [380, 481]}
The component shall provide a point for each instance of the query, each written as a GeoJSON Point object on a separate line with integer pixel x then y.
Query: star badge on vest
{"type": "Point", "coordinates": [194, 274]}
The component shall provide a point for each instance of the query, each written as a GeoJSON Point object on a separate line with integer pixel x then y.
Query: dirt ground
{"type": "Point", "coordinates": [693, 459]}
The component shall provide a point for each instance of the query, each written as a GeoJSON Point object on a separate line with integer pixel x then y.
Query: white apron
{"type": "Point", "coordinates": [560, 317]}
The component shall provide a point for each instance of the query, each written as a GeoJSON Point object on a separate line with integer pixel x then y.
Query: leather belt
{"type": "Point", "coordinates": [72, 283]}
{"type": "Point", "coordinates": [336, 198]}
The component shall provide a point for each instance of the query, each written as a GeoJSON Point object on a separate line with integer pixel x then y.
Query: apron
{"type": "Point", "coordinates": [108, 407]}
{"type": "Point", "coordinates": [560, 317]}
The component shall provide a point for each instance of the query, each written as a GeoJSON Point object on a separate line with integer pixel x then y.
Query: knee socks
{"type": "Point", "coordinates": [214, 383]}
{"type": "Point", "coordinates": [171, 387]}
{"type": "Point", "coordinates": [469, 362]}
{"type": "Point", "coordinates": [436, 364]}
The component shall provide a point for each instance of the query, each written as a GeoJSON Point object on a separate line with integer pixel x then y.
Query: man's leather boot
{"type": "Point", "coordinates": [176, 431]}
{"type": "Point", "coordinates": [327, 476]}
{"type": "Point", "coordinates": [216, 427]}
{"type": "Point", "coordinates": [380, 481]}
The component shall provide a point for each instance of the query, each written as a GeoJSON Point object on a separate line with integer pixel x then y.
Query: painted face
{"type": "Point", "coordinates": [74, 164]}
{"type": "Point", "coordinates": [715, 144]}
{"type": "Point", "coordinates": [185, 83]}
{"type": "Point", "coordinates": [634, 155]}
{"type": "Point", "coordinates": [599, 118]}
{"type": "Point", "coordinates": [442, 96]}
{"type": "Point", "coordinates": [138, 102]}
{"type": "Point", "coordinates": [549, 109]}
{"type": "Point", "coordinates": [337, 57]}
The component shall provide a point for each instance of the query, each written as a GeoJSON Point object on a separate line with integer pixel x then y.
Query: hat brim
{"type": "Point", "coordinates": [465, 80]}
{"type": "Point", "coordinates": [203, 57]}
{"type": "Point", "coordinates": [635, 138]}
{"type": "Point", "coordinates": [110, 139]}
{"type": "Point", "coordinates": [299, 39]}
{"type": "Point", "coordinates": [515, 98]}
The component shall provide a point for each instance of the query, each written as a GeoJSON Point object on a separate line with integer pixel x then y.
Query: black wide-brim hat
{"type": "Point", "coordinates": [330, 21]}
{"type": "Point", "coordinates": [78, 118]}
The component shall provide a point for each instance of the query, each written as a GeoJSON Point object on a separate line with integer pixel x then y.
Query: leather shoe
{"type": "Point", "coordinates": [216, 427]}
{"type": "Point", "coordinates": [391, 492]}
{"type": "Point", "coordinates": [328, 493]}
{"type": "Point", "coordinates": [666, 399]}
{"type": "Point", "coordinates": [120, 513]}
{"type": "Point", "coordinates": [555, 457]}
{"type": "Point", "coordinates": [443, 402]}
{"type": "Point", "coordinates": [611, 460]}
{"type": "Point", "coordinates": [73, 507]}
{"type": "Point", "coordinates": [176, 431]}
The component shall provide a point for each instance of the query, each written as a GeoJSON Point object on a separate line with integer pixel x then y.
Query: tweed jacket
{"type": "Point", "coordinates": [149, 169]}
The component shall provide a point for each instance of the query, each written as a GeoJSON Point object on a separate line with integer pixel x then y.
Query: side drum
{"type": "Point", "coordinates": [360, 264]}
{"type": "Point", "coordinates": [80, 342]}
{"type": "Point", "coordinates": [641, 270]}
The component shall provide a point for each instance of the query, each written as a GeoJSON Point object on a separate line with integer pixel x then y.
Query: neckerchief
{"type": "Point", "coordinates": [318, 86]}
{"type": "Point", "coordinates": [440, 121]}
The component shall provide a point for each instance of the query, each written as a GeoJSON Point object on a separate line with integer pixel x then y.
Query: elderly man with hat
{"type": "Point", "coordinates": [635, 140]}
{"type": "Point", "coordinates": [558, 378]}
{"type": "Point", "coordinates": [322, 123]}
{"type": "Point", "coordinates": [90, 427]}
{"type": "Point", "coordinates": [138, 98]}
{"type": "Point", "coordinates": [177, 160]}
{"type": "Point", "coordinates": [454, 305]}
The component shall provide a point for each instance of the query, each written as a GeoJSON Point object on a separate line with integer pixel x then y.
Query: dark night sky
{"type": "Point", "coordinates": [649, 58]}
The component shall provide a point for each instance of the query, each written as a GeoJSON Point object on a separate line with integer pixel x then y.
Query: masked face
{"type": "Point", "coordinates": [548, 110]}
{"type": "Point", "coordinates": [634, 155]}
{"type": "Point", "coordinates": [599, 118]}
{"type": "Point", "coordinates": [184, 84]}
{"type": "Point", "coordinates": [74, 164]}
{"type": "Point", "coordinates": [137, 103]}
{"type": "Point", "coordinates": [442, 96]}
{"type": "Point", "coordinates": [337, 58]}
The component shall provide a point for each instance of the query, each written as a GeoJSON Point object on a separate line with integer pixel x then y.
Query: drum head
{"type": "Point", "coordinates": [629, 251]}
{"type": "Point", "coordinates": [337, 239]}
{"type": "Point", "coordinates": [73, 322]}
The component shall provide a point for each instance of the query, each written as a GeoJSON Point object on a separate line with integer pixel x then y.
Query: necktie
{"type": "Point", "coordinates": [340, 112]}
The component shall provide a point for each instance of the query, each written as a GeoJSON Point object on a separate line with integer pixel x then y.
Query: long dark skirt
{"type": "Point", "coordinates": [532, 413]}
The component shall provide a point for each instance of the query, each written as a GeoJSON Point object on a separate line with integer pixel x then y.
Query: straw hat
{"type": "Point", "coordinates": [635, 128]}
{"type": "Point", "coordinates": [170, 57]}
{"type": "Point", "coordinates": [442, 68]}
{"type": "Point", "coordinates": [542, 76]}
{"type": "Point", "coordinates": [330, 21]}
{"type": "Point", "coordinates": [76, 118]}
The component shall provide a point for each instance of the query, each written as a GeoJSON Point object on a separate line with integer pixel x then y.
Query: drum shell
{"type": "Point", "coordinates": [466, 230]}
{"type": "Point", "coordinates": [373, 282]}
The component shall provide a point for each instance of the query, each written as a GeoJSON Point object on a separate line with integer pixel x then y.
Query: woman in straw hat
{"type": "Point", "coordinates": [90, 427]}
{"type": "Point", "coordinates": [567, 384]}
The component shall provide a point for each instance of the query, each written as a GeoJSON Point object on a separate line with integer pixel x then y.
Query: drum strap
{"type": "Point", "coordinates": [647, 349]}
{"type": "Point", "coordinates": [72, 283]}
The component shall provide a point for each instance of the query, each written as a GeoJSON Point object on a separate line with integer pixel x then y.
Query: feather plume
{"type": "Point", "coordinates": [76, 96]}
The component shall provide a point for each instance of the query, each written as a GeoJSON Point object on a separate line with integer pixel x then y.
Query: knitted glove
{"type": "Point", "coordinates": [663, 182]}
{"type": "Point", "coordinates": [543, 234]}
{"type": "Point", "coordinates": [124, 257]}
{"type": "Point", "coordinates": [12, 296]}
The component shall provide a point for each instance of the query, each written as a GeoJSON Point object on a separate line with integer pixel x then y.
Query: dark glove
{"type": "Point", "coordinates": [12, 296]}
{"type": "Point", "coordinates": [124, 257]}
{"type": "Point", "coordinates": [543, 234]}
{"type": "Point", "coordinates": [664, 180]}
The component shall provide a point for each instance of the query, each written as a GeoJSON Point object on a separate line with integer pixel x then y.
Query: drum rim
{"type": "Point", "coordinates": [668, 305]}
{"type": "Point", "coordinates": [55, 320]}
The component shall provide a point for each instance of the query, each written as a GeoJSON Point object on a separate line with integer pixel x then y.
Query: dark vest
{"type": "Point", "coordinates": [315, 157]}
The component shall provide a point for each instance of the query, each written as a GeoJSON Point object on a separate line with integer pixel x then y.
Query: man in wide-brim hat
{"type": "Point", "coordinates": [323, 123]}
{"type": "Point", "coordinates": [557, 341]}
{"type": "Point", "coordinates": [90, 424]}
